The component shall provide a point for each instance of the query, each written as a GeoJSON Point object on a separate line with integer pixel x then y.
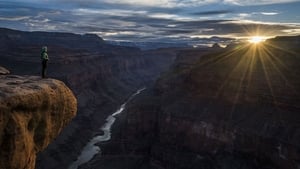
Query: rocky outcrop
{"type": "Point", "coordinates": [33, 113]}
{"type": "Point", "coordinates": [232, 108]}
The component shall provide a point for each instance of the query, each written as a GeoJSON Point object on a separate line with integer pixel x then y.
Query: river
{"type": "Point", "coordinates": [91, 149]}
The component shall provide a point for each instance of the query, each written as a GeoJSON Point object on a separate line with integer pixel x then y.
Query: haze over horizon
{"type": "Point", "coordinates": [155, 20]}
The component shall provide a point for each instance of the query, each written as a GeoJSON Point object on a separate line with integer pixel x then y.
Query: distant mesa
{"type": "Point", "coordinates": [286, 38]}
{"type": "Point", "coordinates": [216, 46]}
{"type": "Point", "coordinates": [12, 38]}
{"type": "Point", "coordinates": [4, 71]}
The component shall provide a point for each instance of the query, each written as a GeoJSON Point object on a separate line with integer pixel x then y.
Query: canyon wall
{"type": "Point", "coordinates": [228, 108]}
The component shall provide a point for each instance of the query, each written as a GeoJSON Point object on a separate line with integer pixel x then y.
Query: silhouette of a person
{"type": "Point", "coordinates": [45, 58]}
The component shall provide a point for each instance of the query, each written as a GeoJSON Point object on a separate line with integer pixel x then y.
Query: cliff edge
{"type": "Point", "coordinates": [33, 111]}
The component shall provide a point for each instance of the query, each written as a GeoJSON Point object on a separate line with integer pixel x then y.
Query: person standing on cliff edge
{"type": "Point", "coordinates": [45, 58]}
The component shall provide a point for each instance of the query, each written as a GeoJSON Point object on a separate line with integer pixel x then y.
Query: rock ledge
{"type": "Point", "coordinates": [33, 111]}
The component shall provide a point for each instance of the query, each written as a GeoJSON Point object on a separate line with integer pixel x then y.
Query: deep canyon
{"type": "Point", "coordinates": [208, 108]}
{"type": "Point", "coordinates": [217, 108]}
{"type": "Point", "coordinates": [102, 76]}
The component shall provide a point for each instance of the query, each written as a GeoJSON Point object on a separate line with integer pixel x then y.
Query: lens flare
{"type": "Point", "coordinates": [257, 39]}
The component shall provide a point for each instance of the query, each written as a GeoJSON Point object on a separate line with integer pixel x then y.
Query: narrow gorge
{"type": "Point", "coordinates": [92, 147]}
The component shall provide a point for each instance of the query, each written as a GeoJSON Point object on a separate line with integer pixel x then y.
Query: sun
{"type": "Point", "coordinates": [256, 39]}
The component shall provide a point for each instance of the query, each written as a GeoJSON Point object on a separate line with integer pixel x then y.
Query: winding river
{"type": "Point", "coordinates": [91, 149]}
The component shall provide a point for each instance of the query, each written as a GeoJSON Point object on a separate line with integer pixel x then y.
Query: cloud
{"type": "Point", "coordinates": [269, 13]}
{"type": "Point", "coordinates": [142, 3]}
{"type": "Point", "coordinates": [244, 15]}
{"type": "Point", "coordinates": [129, 21]}
{"type": "Point", "coordinates": [188, 29]}
{"type": "Point", "coordinates": [212, 12]}
{"type": "Point", "coordinates": [16, 18]}
{"type": "Point", "coordinates": [161, 3]}
{"type": "Point", "coordinates": [256, 2]}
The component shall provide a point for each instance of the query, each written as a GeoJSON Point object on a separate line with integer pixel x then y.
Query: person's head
{"type": "Point", "coordinates": [44, 48]}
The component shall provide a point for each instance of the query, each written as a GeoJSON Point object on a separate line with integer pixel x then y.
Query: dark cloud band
{"type": "Point", "coordinates": [128, 22]}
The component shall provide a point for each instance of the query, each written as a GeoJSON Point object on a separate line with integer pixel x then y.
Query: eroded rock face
{"type": "Point", "coordinates": [33, 111]}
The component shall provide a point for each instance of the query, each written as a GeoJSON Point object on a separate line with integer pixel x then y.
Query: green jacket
{"type": "Point", "coordinates": [44, 55]}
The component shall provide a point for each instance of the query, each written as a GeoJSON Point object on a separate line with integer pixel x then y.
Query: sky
{"type": "Point", "coordinates": [155, 20]}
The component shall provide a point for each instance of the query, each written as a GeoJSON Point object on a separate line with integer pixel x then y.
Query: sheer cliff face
{"type": "Point", "coordinates": [234, 108]}
{"type": "Point", "coordinates": [33, 113]}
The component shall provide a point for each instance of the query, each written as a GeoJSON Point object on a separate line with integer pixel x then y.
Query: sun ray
{"type": "Point", "coordinates": [257, 69]}
{"type": "Point", "coordinates": [227, 79]}
{"type": "Point", "coordinates": [268, 45]}
{"type": "Point", "coordinates": [266, 72]}
{"type": "Point", "coordinates": [271, 58]}
{"type": "Point", "coordinates": [243, 67]}
{"type": "Point", "coordinates": [234, 69]}
{"type": "Point", "coordinates": [240, 89]}
{"type": "Point", "coordinates": [269, 52]}
{"type": "Point", "coordinates": [251, 66]}
{"type": "Point", "coordinates": [223, 56]}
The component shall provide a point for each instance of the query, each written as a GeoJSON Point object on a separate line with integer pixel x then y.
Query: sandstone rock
{"type": "Point", "coordinates": [3, 71]}
{"type": "Point", "coordinates": [33, 112]}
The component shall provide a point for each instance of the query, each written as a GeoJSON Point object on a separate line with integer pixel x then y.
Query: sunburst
{"type": "Point", "coordinates": [257, 39]}
{"type": "Point", "coordinates": [259, 62]}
